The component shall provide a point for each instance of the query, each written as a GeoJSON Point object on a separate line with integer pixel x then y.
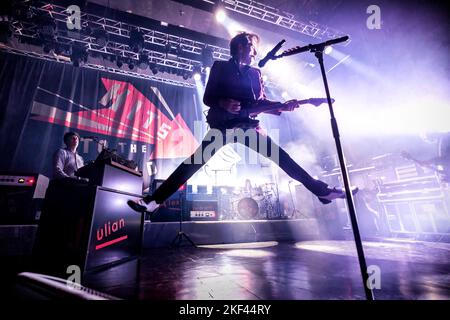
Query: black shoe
{"type": "Point", "coordinates": [140, 205]}
{"type": "Point", "coordinates": [137, 205]}
{"type": "Point", "coordinates": [336, 193]}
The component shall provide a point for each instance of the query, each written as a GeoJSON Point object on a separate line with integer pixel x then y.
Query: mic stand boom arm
{"type": "Point", "coordinates": [310, 47]}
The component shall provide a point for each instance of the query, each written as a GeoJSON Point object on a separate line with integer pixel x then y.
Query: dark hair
{"type": "Point", "coordinates": [68, 136]}
{"type": "Point", "coordinates": [243, 39]}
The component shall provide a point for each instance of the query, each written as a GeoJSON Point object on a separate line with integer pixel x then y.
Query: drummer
{"type": "Point", "coordinates": [251, 191]}
{"type": "Point", "coordinates": [248, 188]}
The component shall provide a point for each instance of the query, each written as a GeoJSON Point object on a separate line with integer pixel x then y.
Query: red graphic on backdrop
{"type": "Point", "coordinates": [127, 114]}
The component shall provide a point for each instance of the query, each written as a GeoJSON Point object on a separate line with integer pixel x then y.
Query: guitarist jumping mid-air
{"type": "Point", "coordinates": [235, 95]}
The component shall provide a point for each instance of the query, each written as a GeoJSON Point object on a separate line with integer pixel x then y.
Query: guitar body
{"type": "Point", "coordinates": [221, 119]}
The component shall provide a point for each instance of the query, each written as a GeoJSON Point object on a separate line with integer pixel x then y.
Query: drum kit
{"type": "Point", "coordinates": [254, 203]}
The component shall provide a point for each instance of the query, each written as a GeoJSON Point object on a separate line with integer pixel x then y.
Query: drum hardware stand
{"type": "Point", "coordinates": [295, 211]}
{"type": "Point", "coordinates": [318, 49]}
{"type": "Point", "coordinates": [176, 242]}
{"type": "Point", "coordinates": [273, 209]}
{"type": "Point", "coordinates": [219, 194]}
{"type": "Point", "coordinates": [277, 200]}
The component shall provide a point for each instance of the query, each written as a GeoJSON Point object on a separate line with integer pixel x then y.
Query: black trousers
{"type": "Point", "coordinates": [251, 138]}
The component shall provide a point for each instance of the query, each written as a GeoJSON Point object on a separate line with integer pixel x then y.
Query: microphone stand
{"type": "Point", "coordinates": [318, 49]}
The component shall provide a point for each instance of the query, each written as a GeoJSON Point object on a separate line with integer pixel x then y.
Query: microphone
{"type": "Point", "coordinates": [334, 41]}
{"type": "Point", "coordinates": [270, 54]}
{"type": "Point", "coordinates": [318, 46]}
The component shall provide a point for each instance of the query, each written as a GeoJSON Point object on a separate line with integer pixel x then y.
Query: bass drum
{"type": "Point", "coordinates": [248, 209]}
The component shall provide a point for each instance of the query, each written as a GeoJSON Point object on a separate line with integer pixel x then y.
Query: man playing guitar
{"type": "Point", "coordinates": [235, 95]}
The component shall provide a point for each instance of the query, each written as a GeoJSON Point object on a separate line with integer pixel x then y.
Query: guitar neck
{"type": "Point", "coordinates": [266, 107]}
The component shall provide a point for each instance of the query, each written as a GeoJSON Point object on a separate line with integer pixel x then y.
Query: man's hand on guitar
{"type": "Point", "coordinates": [293, 104]}
{"type": "Point", "coordinates": [290, 105]}
{"type": "Point", "coordinates": [230, 105]}
{"type": "Point", "coordinates": [318, 101]}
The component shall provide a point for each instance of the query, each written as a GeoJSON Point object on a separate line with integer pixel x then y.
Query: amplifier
{"type": "Point", "coordinates": [203, 210]}
{"type": "Point", "coordinates": [201, 196]}
{"type": "Point", "coordinates": [21, 197]}
{"type": "Point", "coordinates": [87, 226]}
{"type": "Point", "coordinates": [173, 208]}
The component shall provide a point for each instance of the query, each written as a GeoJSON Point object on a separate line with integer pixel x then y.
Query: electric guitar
{"type": "Point", "coordinates": [442, 170]}
{"type": "Point", "coordinates": [221, 119]}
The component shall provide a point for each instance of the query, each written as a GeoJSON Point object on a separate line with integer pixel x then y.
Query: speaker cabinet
{"type": "Point", "coordinates": [172, 208]}
{"type": "Point", "coordinates": [21, 197]}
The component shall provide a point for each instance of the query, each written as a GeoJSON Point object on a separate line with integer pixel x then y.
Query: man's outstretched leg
{"type": "Point", "coordinates": [265, 146]}
{"type": "Point", "coordinates": [212, 142]}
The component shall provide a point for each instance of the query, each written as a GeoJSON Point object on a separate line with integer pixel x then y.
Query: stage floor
{"type": "Point", "coordinates": [280, 270]}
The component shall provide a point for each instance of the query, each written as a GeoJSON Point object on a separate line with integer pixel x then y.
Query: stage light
{"type": "Point", "coordinates": [77, 55]}
{"type": "Point", "coordinates": [328, 50]}
{"type": "Point", "coordinates": [131, 64]}
{"type": "Point", "coordinates": [136, 42]}
{"type": "Point", "coordinates": [233, 28]}
{"type": "Point", "coordinates": [162, 69]}
{"type": "Point", "coordinates": [186, 75]}
{"type": "Point", "coordinates": [47, 47]}
{"type": "Point", "coordinates": [220, 15]}
{"type": "Point", "coordinates": [143, 61]}
{"type": "Point", "coordinates": [179, 50]}
{"type": "Point", "coordinates": [119, 62]}
{"type": "Point", "coordinates": [101, 37]}
{"type": "Point", "coordinates": [154, 68]}
{"type": "Point", "coordinates": [95, 54]}
{"type": "Point", "coordinates": [167, 48]}
{"type": "Point", "coordinates": [264, 78]}
{"type": "Point", "coordinates": [207, 57]}
{"type": "Point", "coordinates": [57, 50]}
{"type": "Point", "coordinates": [197, 73]}
{"type": "Point", "coordinates": [179, 72]}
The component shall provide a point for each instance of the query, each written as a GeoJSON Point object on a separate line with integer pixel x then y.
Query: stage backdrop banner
{"type": "Point", "coordinates": [149, 122]}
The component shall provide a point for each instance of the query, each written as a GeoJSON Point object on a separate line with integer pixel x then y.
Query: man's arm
{"type": "Point", "coordinates": [58, 165]}
{"type": "Point", "coordinates": [81, 162]}
{"type": "Point", "coordinates": [211, 96]}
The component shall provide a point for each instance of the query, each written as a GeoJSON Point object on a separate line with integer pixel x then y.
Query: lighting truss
{"type": "Point", "coordinates": [286, 20]}
{"type": "Point", "coordinates": [96, 66]}
{"type": "Point", "coordinates": [119, 33]}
